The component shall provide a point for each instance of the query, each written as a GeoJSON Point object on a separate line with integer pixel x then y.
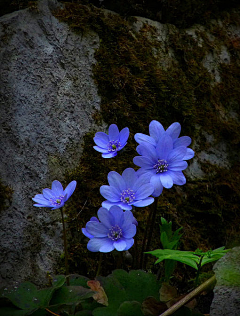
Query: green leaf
{"type": "Point", "coordinates": [121, 287]}
{"type": "Point", "coordinates": [132, 308]}
{"type": "Point", "coordinates": [186, 257]}
{"type": "Point", "coordinates": [70, 295]}
{"type": "Point", "coordinates": [11, 311]}
{"type": "Point", "coordinates": [76, 279]}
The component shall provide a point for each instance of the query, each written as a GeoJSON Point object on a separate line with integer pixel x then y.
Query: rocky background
{"type": "Point", "coordinates": [71, 69]}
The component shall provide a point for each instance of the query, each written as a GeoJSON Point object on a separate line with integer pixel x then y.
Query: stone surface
{"type": "Point", "coordinates": [47, 98]}
{"type": "Point", "coordinates": [226, 300]}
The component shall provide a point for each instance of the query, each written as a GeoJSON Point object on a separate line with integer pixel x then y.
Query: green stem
{"type": "Point", "coordinates": [99, 264]}
{"type": "Point", "coordinates": [65, 247]}
{"type": "Point", "coordinates": [198, 271]}
{"type": "Point", "coordinates": [150, 231]}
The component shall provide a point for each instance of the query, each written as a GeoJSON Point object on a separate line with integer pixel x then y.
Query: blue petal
{"type": "Point", "coordinates": [125, 206]}
{"type": "Point", "coordinates": [70, 189]}
{"type": "Point", "coordinates": [86, 233]}
{"type": "Point", "coordinates": [144, 202]}
{"type": "Point", "coordinates": [101, 139]}
{"type": "Point", "coordinates": [174, 130]}
{"type": "Point", "coordinates": [113, 132]}
{"type": "Point", "coordinates": [48, 194]}
{"type": "Point", "coordinates": [156, 130]}
{"type": "Point", "coordinates": [148, 150]}
{"type": "Point", "coordinates": [129, 231]}
{"type": "Point", "coordinates": [123, 136]}
{"type": "Point", "coordinates": [178, 177]}
{"type": "Point", "coordinates": [176, 154]}
{"type": "Point", "coordinates": [42, 205]}
{"type": "Point", "coordinates": [95, 244]}
{"type": "Point", "coordinates": [117, 214]}
{"type": "Point", "coordinates": [144, 191]}
{"type": "Point", "coordinates": [94, 219]}
{"type": "Point", "coordinates": [130, 177]}
{"type": "Point", "coordinates": [110, 155]}
{"type": "Point", "coordinates": [57, 188]}
{"type": "Point", "coordinates": [142, 179]}
{"type": "Point", "coordinates": [189, 154]}
{"type": "Point", "coordinates": [166, 180]}
{"type": "Point", "coordinates": [143, 162]}
{"type": "Point", "coordinates": [97, 229]}
{"type": "Point", "coordinates": [182, 141]}
{"type": "Point", "coordinates": [107, 204]}
{"type": "Point", "coordinates": [142, 138]}
{"type": "Point", "coordinates": [178, 166]}
{"type": "Point", "coordinates": [100, 149]}
{"type": "Point", "coordinates": [129, 243]}
{"type": "Point", "coordinates": [157, 184]}
{"type": "Point", "coordinates": [110, 193]}
{"type": "Point", "coordinates": [105, 217]}
{"type": "Point", "coordinates": [164, 146]}
{"type": "Point", "coordinates": [107, 246]}
{"type": "Point", "coordinates": [39, 198]}
{"type": "Point", "coordinates": [120, 244]}
{"type": "Point", "coordinates": [116, 181]}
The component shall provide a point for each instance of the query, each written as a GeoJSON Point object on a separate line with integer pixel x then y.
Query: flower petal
{"type": "Point", "coordinates": [95, 244]}
{"type": "Point", "coordinates": [57, 188]}
{"type": "Point", "coordinates": [113, 132]}
{"type": "Point", "coordinates": [142, 179]}
{"type": "Point", "coordinates": [129, 231]}
{"type": "Point", "coordinates": [166, 180]}
{"type": "Point", "coordinates": [178, 177]}
{"type": "Point", "coordinates": [178, 166]}
{"type": "Point", "coordinates": [182, 141]}
{"type": "Point", "coordinates": [110, 155]}
{"type": "Point", "coordinates": [86, 233]}
{"type": "Point", "coordinates": [123, 135]}
{"type": "Point", "coordinates": [120, 244]}
{"type": "Point", "coordinates": [105, 217]}
{"type": "Point", "coordinates": [107, 246]}
{"type": "Point", "coordinates": [143, 162]}
{"type": "Point", "coordinates": [141, 138]}
{"type": "Point", "coordinates": [164, 146]}
{"type": "Point", "coordinates": [176, 154]}
{"type": "Point", "coordinates": [39, 198]}
{"type": "Point", "coordinates": [101, 139]}
{"type": "Point", "coordinates": [110, 193]}
{"type": "Point", "coordinates": [144, 202]}
{"type": "Point", "coordinates": [174, 130]}
{"type": "Point", "coordinates": [48, 194]}
{"type": "Point", "coordinates": [70, 189]}
{"type": "Point", "coordinates": [100, 149]}
{"type": "Point", "coordinates": [130, 177]}
{"type": "Point", "coordinates": [97, 229]}
{"type": "Point", "coordinates": [117, 213]}
{"type": "Point", "coordinates": [148, 150]}
{"type": "Point", "coordinates": [115, 180]}
{"type": "Point", "coordinates": [144, 191]}
{"type": "Point", "coordinates": [157, 184]}
{"type": "Point", "coordinates": [156, 130]}
{"type": "Point", "coordinates": [189, 154]}
{"type": "Point", "coordinates": [129, 243]}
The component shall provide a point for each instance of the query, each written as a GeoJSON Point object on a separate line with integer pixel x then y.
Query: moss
{"type": "Point", "coordinates": [5, 196]}
{"type": "Point", "coordinates": [134, 90]}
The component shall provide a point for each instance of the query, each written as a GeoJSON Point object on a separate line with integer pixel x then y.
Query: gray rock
{"type": "Point", "coordinates": [226, 300]}
{"type": "Point", "coordinates": [47, 97]}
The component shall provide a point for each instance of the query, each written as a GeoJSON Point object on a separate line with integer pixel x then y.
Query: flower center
{"type": "Point", "coordinates": [57, 200]}
{"type": "Point", "coordinates": [115, 233]}
{"type": "Point", "coordinates": [113, 145]}
{"type": "Point", "coordinates": [127, 196]}
{"type": "Point", "coordinates": [161, 166]}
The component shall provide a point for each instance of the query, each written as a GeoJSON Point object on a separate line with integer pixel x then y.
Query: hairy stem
{"type": "Point", "coordinates": [65, 247]}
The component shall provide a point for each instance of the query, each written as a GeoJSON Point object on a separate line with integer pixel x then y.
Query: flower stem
{"type": "Point", "coordinates": [65, 247]}
{"type": "Point", "coordinates": [99, 264]}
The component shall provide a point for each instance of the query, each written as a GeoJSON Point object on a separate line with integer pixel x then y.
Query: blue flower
{"type": "Point", "coordinates": [127, 190]}
{"type": "Point", "coordinates": [162, 164]}
{"type": "Point", "coordinates": [113, 230]}
{"type": "Point", "coordinates": [110, 144]}
{"type": "Point", "coordinates": [55, 197]}
{"type": "Point", "coordinates": [156, 131]}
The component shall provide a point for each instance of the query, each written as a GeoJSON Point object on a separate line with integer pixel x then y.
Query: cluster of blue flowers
{"type": "Point", "coordinates": [162, 158]}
